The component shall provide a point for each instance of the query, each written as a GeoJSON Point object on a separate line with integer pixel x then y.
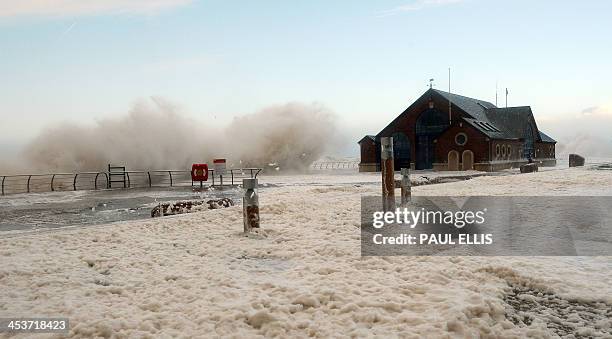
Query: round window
{"type": "Point", "coordinates": [497, 150]}
{"type": "Point", "coordinates": [504, 150]}
{"type": "Point", "coordinates": [460, 139]}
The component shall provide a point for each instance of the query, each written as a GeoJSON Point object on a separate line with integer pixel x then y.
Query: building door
{"type": "Point", "coordinates": [453, 160]}
{"type": "Point", "coordinates": [401, 151]}
{"type": "Point", "coordinates": [429, 125]}
{"type": "Point", "coordinates": [467, 160]}
{"type": "Point", "coordinates": [424, 152]}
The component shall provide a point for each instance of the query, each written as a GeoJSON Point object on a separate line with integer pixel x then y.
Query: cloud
{"type": "Point", "coordinates": [597, 111]}
{"type": "Point", "coordinates": [417, 5]}
{"type": "Point", "coordinates": [62, 8]}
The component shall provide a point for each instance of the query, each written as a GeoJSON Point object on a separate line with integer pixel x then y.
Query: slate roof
{"type": "Point", "coordinates": [367, 137]}
{"type": "Point", "coordinates": [546, 138]}
{"type": "Point", "coordinates": [474, 107]}
{"type": "Point", "coordinates": [488, 129]}
{"type": "Point", "coordinates": [495, 122]}
{"type": "Point", "coordinates": [512, 120]}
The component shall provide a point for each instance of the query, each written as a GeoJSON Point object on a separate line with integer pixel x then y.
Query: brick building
{"type": "Point", "coordinates": [475, 135]}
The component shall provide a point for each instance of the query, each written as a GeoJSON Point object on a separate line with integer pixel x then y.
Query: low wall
{"type": "Point", "coordinates": [374, 167]}
{"type": "Point", "coordinates": [369, 167]}
{"type": "Point", "coordinates": [547, 162]}
{"type": "Point", "coordinates": [484, 166]}
{"type": "Point", "coordinates": [479, 166]}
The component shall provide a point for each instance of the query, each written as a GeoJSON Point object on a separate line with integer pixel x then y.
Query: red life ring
{"type": "Point", "coordinates": [199, 172]}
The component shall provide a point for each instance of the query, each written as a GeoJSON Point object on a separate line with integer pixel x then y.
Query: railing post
{"type": "Point", "coordinates": [29, 177]}
{"type": "Point", "coordinates": [232, 173]}
{"type": "Point", "coordinates": [149, 174]}
{"type": "Point", "coordinates": [170, 172]}
{"type": "Point", "coordinates": [74, 182]}
{"type": "Point", "coordinates": [129, 183]}
{"type": "Point", "coordinates": [3, 178]}
{"type": "Point", "coordinates": [96, 181]}
{"type": "Point", "coordinates": [388, 180]}
{"type": "Point", "coordinates": [406, 186]}
{"type": "Point", "coordinates": [250, 205]}
{"type": "Point", "coordinates": [52, 179]}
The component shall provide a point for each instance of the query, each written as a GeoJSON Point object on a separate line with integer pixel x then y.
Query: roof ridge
{"type": "Point", "coordinates": [463, 96]}
{"type": "Point", "coordinates": [524, 106]}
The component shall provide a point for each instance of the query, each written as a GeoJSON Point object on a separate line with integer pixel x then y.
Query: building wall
{"type": "Point", "coordinates": [506, 150]}
{"type": "Point", "coordinates": [406, 122]}
{"type": "Point", "coordinates": [544, 150]}
{"type": "Point", "coordinates": [477, 142]}
{"type": "Point", "coordinates": [368, 151]}
{"type": "Point", "coordinates": [369, 162]}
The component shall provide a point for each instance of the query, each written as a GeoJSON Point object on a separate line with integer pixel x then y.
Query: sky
{"type": "Point", "coordinates": [81, 61]}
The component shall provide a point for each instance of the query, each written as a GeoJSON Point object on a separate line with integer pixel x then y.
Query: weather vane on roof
{"type": "Point", "coordinates": [431, 83]}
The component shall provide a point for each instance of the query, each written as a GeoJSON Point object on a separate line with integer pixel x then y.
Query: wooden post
{"type": "Point", "coordinates": [406, 186]}
{"type": "Point", "coordinates": [250, 205]}
{"type": "Point", "coordinates": [388, 180]}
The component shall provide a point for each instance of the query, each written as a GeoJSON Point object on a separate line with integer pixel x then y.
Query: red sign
{"type": "Point", "coordinates": [199, 172]}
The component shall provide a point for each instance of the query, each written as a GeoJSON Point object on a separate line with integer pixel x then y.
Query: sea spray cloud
{"type": "Point", "coordinates": [289, 136]}
{"type": "Point", "coordinates": [154, 135]}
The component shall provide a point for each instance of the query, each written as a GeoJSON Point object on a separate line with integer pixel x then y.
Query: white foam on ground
{"type": "Point", "coordinates": [195, 275]}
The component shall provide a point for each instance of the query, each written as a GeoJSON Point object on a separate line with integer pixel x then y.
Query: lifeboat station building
{"type": "Point", "coordinates": [450, 132]}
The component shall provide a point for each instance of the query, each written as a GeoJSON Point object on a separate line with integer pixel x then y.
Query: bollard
{"type": "Point", "coordinates": [250, 205]}
{"type": "Point", "coordinates": [406, 186]}
{"type": "Point", "coordinates": [388, 180]}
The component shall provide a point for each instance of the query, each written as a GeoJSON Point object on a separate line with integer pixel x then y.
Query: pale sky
{"type": "Point", "coordinates": [366, 60]}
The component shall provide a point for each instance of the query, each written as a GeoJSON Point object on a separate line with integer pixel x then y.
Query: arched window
{"type": "Point", "coordinates": [431, 122]}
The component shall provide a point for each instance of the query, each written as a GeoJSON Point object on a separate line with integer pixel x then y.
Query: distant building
{"type": "Point", "coordinates": [476, 135]}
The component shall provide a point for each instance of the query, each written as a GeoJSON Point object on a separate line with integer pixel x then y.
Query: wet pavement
{"type": "Point", "coordinates": [36, 211]}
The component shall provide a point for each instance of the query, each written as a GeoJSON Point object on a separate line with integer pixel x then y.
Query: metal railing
{"type": "Point", "coordinates": [335, 165]}
{"type": "Point", "coordinates": [236, 174]}
{"type": "Point", "coordinates": [51, 182]}
{"type": "Point", "coordinates": [27, 183]}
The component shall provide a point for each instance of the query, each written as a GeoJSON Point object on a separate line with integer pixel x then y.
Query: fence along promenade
{"type": "Point", "coordinates": [323, 165]}
{"type": "Point", "coordinates": [54, 182]}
